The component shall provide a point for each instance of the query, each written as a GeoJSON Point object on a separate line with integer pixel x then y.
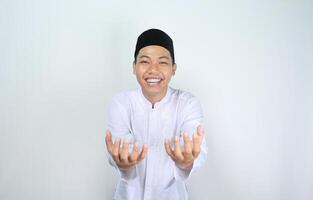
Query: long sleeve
{"type": "Point", "coordinates": [192, 118]}
{"type": "Point", "coordinates": [119, 127]}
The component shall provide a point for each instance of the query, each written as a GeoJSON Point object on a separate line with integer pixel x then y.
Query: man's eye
{"type": "Point", "coordinates": [144, 61]}
{"type": "Point", "coordinates": [163, 63]}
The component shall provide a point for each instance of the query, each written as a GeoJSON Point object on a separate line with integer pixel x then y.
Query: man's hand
{"type": "Point", "coordinates": [185, 156]}
{"type": "Point", "coordinates": [120, 154]}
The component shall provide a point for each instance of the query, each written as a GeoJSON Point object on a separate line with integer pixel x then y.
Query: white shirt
{"type": "Point", "coordinates": [131, 115]}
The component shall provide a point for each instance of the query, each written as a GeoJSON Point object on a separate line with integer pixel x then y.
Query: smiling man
{"type": "Point", "coordinates": [165, 120]}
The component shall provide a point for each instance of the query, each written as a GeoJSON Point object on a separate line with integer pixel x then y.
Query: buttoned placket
{"type": "Point", "coordinates": [152, 117]}
{"type": "Point", "coordinates": [153, 142]}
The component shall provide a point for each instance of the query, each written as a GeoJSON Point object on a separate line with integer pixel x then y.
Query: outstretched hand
{"type": "Point", "coordinates": [120, 154]}
{"type": "Point", "coordinates": [185, 156]}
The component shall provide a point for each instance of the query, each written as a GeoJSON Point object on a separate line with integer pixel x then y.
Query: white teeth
{"type": "Point", "coordinates": [153, 80]}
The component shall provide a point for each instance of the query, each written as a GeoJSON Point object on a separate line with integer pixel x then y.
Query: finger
{"type": "Point", "coordinates": [143, 153]}
{"type": "Point", "coordinates": [134, 155]}
{"type": "Point", "coordinates": [187, 147]}
{"type": "Point", "coordinates": [116, 150]}
{"type": "Point", "coordinates": [124, 152]}
{"type": "Point", "coordinates": [200, 132]}
{"type": "Point", "coordinates": [197, 140]}
{"type": "Point", "coordinates": [169, 149]}
{"type": "Point", "coordinates": [177, 151]}
{"type": "Point", "coordinates": [108, 141]}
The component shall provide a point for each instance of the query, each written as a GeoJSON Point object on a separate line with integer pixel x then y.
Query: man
{"type": "Point", "coordinates": [156, 117]}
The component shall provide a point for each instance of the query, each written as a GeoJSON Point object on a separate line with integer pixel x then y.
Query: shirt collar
{"type": "Point", "coordinates": [158, 104]}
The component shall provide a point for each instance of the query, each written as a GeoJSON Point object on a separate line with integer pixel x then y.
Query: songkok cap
{"type": "Point", "coordinates": [154, 37]}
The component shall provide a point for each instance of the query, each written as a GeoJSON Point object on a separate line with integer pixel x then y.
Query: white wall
{"type": "Point", "coordinates": [249, 63]}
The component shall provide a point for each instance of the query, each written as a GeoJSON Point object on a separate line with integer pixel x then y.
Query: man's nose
{"type": "Point", "coordinates": [154, 66]}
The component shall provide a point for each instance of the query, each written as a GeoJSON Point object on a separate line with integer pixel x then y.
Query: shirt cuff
{"type": "Point", "coordinates": [125, 175]}
{"type": "Point", "coordinates": [182, 174]}
{"type": "Point", "coordinates": [129, 174]}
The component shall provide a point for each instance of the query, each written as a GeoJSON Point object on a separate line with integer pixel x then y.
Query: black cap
{"type": "Point", "coordinates": [155, 37]}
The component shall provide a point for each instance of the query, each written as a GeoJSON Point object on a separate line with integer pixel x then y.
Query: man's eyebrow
{"type": "Point", "coordinates": [144, 56]}
{"type": "Point", "coordinates": [166, 57]}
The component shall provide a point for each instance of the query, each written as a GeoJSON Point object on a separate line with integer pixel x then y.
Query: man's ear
{"type": "Point", "coordinates": [134, 66]}
{"type": "Point", "coordinates": [174, 69]}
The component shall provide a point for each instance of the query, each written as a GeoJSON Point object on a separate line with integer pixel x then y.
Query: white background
{"type": "Point", "coordinates": [249, 62]}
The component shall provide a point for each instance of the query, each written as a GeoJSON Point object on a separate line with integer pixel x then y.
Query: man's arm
{"type": "Point", "coordinates": [191, 155]}
{"type": "Point", "coordinates": [118, 127]}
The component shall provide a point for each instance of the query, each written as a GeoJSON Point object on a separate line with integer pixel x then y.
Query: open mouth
{"type": "Point", "coordinates": [153, 81]}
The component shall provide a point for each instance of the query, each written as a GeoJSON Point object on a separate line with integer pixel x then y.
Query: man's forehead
{"type": "Point", "coordinates": [154, 50]}
{"type": "Point", "coordinates": [149, 57]}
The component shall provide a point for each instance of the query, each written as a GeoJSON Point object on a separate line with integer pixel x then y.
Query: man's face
{"type": "Point", "coordinates": [154, 68]}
